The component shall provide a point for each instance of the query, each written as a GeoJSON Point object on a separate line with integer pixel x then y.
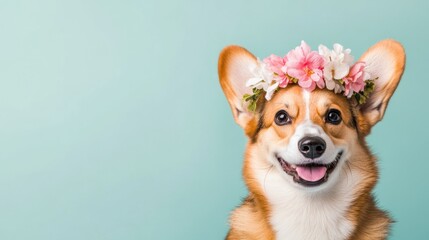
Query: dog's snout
{"type": "Point", "coordinates": [312, 147]}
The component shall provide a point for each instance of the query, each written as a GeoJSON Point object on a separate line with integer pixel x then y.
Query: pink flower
{"type": "Point", "coordinates": [355, 81]}
{"type": "Point", "coordinates": [278, 66]}
{"type": "Point", "coordinates": [306, 66]}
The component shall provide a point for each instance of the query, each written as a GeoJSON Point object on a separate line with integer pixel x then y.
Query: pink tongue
{"type": "Point", "coordinates": [311, 174]}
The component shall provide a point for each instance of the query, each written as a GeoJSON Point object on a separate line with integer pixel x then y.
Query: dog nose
{"type": "Point", "coordinates": [312, 147]}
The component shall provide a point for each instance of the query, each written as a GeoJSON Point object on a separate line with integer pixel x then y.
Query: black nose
{"type": "Point", "coordinates": [312, 147]}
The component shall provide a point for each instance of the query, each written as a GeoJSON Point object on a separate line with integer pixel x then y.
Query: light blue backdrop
{"type": "Point", "coordinates": [113, 124]}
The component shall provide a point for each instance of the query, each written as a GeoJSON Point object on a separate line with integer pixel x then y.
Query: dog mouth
{"type": "Point", "coordinates": [311, 174]}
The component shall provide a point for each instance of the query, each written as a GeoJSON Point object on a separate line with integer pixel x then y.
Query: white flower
{"type": "Point", "coordinates": [262, 78]}
{"type": "Point", "coordinates": [331, 72]}
{"type": "Point", "coordinates": [337, 65]}
{"type": "Point", "coordinates": [270, 90]}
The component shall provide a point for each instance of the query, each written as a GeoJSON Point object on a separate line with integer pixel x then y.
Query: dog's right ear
{"type": "Point", "coordinates": [234, 68]}
{"type": "Point", "coordinates": [386, 61]}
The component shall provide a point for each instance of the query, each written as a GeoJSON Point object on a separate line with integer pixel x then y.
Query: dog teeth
{"type": "Point", "coordinates": [293, 166]}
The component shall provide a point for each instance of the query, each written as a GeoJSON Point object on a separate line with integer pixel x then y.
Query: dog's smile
{"type": "Point", "coordinates": [311, 174]}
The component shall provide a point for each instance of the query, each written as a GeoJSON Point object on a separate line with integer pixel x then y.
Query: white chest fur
{"type": "Point", "coordinates": [305, 215]}
{"type": "Point", "coordinates": [311, 218]}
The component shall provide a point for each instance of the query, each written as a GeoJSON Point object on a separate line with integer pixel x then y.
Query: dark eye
{"type": "Point", "coordinates": [333, 116]}
{"type": "Point", "coordinates": [282, 118]}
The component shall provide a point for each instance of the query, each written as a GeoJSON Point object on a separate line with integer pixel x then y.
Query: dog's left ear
{"type": "Point", "coordinates": [384, 61]}
{"type": "Point", "coordinates": [234, 68]}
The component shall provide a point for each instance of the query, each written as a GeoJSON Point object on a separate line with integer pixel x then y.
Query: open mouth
{"type": "Point", "coordinates": [312, 174]}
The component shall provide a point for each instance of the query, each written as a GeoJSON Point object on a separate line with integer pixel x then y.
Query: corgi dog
{"type": "Point", "coordinates": [307, 167]}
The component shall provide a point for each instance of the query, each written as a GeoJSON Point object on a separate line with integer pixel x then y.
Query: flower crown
{"type": "Point", "coordinates": [331, 69]}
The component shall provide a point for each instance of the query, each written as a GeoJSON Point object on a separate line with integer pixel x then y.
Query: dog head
{"type": "Point", "coordinates": [308, 137]}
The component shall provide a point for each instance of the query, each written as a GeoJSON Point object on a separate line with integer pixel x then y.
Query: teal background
{"type": "Point", "coordinates": [113, 124]}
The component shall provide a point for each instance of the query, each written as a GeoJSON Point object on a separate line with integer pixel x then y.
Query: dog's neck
{"type": "Point", "coordinates": [297, 214]}
{"type": "Point", "coordinates": [304, 216]}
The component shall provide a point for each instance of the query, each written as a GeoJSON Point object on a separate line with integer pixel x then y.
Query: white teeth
{"type": "Point", "coordinates": [293, 166]}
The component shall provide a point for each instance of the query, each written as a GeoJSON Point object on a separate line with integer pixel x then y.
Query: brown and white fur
{"type": "Point", "coordinates": [280, 208]}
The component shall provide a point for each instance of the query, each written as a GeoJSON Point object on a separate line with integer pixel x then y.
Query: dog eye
{"type": "Point", "coordinates": [282, 118]}
{"type": "Point", "coordinates": [333, 116]}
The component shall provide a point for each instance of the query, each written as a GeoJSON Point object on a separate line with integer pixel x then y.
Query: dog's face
{"type": "Point", "coordinates": [309, 137]}
{"type": "Point", "coordinates": [306, 135]}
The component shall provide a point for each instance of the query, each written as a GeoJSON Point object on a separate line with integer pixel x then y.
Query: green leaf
{"type": "Point", "coordinates": [252, 99]}
{"type": "Point", "coordinates": [362, 97]}
{"type": "Point", "coordinates": [294, 80]}
{"type": "Point", "coordinates": [252, 106]}
{"type": "Point", "coordinates": [247, 97]}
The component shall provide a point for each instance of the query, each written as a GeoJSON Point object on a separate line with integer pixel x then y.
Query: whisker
{"type": "Point", "coordinates": [265, 178]}
{"type": "Point", "coordinates": [349, 172]}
